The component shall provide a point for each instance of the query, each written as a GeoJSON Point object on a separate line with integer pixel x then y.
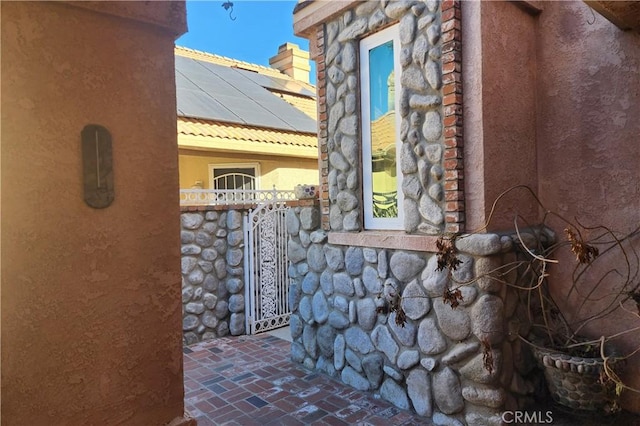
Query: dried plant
{"type": "Point", "coordinates": [584, 252]}
{"type": "Point", "coordinates": [487, 356]}
{"type": "Point", "coordinates": [452, 297]}
{"type": "Point", "coordinates": [446, 254]}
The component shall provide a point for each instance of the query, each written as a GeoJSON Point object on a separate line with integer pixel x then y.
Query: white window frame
{"type": "Point", "coordinates": [254, 166]}
{"type": "Point", "coordinates": [366, 44]}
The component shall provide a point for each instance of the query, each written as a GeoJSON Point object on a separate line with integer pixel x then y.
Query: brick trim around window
{"type": "Point", "coordinates": [452, 102]}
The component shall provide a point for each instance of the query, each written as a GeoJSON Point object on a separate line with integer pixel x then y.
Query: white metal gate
{"type": "Point", "coordinates": [266, 267]}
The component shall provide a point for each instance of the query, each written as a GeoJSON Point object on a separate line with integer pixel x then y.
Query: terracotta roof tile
{"type": "Point", "coordinates": [213, 129]}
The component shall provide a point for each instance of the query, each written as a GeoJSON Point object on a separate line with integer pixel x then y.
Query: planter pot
{"type": "Point", "coordinates": [573, 381]}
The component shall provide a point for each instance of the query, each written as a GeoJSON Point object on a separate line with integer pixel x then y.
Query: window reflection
{"type": "Point", "coordinates": [383, 131]}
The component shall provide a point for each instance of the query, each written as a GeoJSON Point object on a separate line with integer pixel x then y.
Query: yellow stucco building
{"type": "Point", "coordinates": [246, 126]}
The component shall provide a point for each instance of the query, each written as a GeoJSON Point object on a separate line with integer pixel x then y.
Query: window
{"type": "Point", "coordinates": [381, 178]}
{"type": "Point", "coordinates": [233, 176]}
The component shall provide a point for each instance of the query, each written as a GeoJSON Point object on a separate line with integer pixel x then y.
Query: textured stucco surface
{"type": "Point", "coordinates": [587, 131]}
{"type": "Point", "coordinates": [501, 152]}
{"type": "Point", "coordinates": [283, 173]}
{"type": "Point", "coordinates": [91, 298]}
{"type": "Point", "coordinates": [559, 109]}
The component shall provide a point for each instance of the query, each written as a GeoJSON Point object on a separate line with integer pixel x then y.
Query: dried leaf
{"type": "Point", "coordinates": [453, 297]}
{"type": "Point", "coordinates": [401, 317]}
{"type": "Point", "coordinates": [447, 254]}
{"type": "Point", "coordinates": [584, 252]}
{"type": "Point", "coordinates": [487, 356]}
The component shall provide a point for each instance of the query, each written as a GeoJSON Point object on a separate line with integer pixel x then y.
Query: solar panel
{"type": "Point", "coordinates": [197, 104]}
{"type": "Point", "coordinates": [274, 83]}
{"type": "Point", "coordinates": [216, 92]}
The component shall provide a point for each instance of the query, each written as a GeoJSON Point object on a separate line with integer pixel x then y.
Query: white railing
{"type": "Point", "coordinates": [215, 197]}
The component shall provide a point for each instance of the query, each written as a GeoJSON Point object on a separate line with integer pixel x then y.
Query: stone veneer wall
{"type": "Point", "coordinates": [430, 106]}
{"type": "Point", "coordinates": [434, 364]}
{"type": "Point", "coordinates": [213, 302]}
{"type": "Point", "coordinates": [212, 274]}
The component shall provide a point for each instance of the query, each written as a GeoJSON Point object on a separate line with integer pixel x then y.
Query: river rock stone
{"type": "Point", "coordinates": [210, 320]}
{"type": "Point", "coordinates": [292, 222]}
{"type": "Point", "coordinates": [326, 283]}
{"type": "Point", "coordinates": [309, 341]}
{"type": "Point", "coordinates": [415, 302]}
{"type": "Point", "coordinates": [189, 322]}
{"type": "Point", "coordinates": [408, 359]}
{"type": "Point", "coordinates": [430, 339]}
{"type": "Point", "coordinates": [475, 370]}
{"type": "Point", "coordinates": [383, 341]}
{"type": "Point", "coordinates": [320, 308]}
{"type": "Point", "coordinates": [419, 390]}
{"type": "Point", "coordinates": [405, 265]}
{"type": "Point", "coordinates": [190, 249]}
{"type": "Point", "coordinates": [236, 303]}
{"type": "Point", "coordinates": [353, 379]}
{"type": "Point", "coordinates": [354, 260]}
{"type": "Point", "coordinates": [406, 333]}
{"type": "Point", "coordinates": [485, 396]}
{"type": "Point", "coordinates": [295, 251]}
{"type": "Point", "coordinates": [434, 282]}
{"type": "Point", "coordinates": [236, 324]}
{"type": "Point", "coordinates": [310, 283]}
{"type": "Point", "coordinates": [338, 320]}
{"type": "Point", "coordinates": [234, 285]}
{"type": "Point", "coordinates": [194, 308]}
{"type": "Point", "coordinates": [188, 263]}
{"type": "Point", "coordinates": [296, 325]}
{"type": "Point", "coordinates": [304, 309]}
{"type": "Point", "coordinates": [447, 393]}
{"type": "Point", "coordinates": [366, 313]}
{"type": "Point", "coordinates": [349, 57]}
{"type": "Point", "coordinates": [479, 244]}
{"type": "Point", "coordinates": [325, 337]}
{"type": "Point", "coordinates": [191, 220]}
{"type": "Point", "coordinates": [343, 284]}
{"type": "Point", "coordinates": [371, 280]}
{"type": "Point", "coordinates": [353, 360]}
{"type": "Point", "coordinates": [460, 352]}
{"type": "Point", "coordinates": [315, 258]}
{"type": "Point", "coordinates": [339, 346]}
{"type": "Point", "coordinates": [335, 259]}
{"type": "Point", "coordinates": [395, 394]}
{"type": "Point", "coordinates": [487, 317]}
{"type": "Point", "coordinates": [358, 340]}
{"type": "Point", "coordinates": [297, 352]}
{"type": "Point", "coordinates": [454, 323]}
{"type": "Point", "coordinates": [358, 287]}
{"type": "Point", "coordinates": [187, 237]}
{"type": "Point", "coordinates": [353, 31]}
{"type": "Point", "coordinates": [372, 365]}
{"type": "Point", "coordinates": [222, 309]}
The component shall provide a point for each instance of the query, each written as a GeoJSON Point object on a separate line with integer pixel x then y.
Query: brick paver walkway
{"type": "Point", "coordinates": [250, 380]}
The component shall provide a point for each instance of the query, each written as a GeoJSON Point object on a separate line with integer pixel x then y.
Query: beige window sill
{"type": "Point", "coordinates": [397, 240]}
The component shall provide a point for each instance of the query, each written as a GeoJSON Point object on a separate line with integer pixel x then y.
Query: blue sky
{"type": "Point", "coordinates": [259, 28]}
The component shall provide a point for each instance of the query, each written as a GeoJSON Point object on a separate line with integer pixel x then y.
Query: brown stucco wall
{"type": "Point", "coordinates": [559, 109]}
{"type": "Point", "coordinates": [588, 132]}
{"type": "Point", "coordinates": [91, 309]}
{"type": "Point", "coordinates": [501, 151]}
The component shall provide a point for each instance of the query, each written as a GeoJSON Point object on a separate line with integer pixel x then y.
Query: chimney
{"type": "Point", "coordinates": [292, 61]}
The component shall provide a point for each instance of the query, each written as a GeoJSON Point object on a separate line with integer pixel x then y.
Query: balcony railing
{"type": "Point", "coordinates": [211, 197]}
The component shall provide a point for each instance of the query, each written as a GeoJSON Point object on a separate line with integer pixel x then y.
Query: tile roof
{"type": "Point", "coordinates": [234, 132]}
{"type": "Point", "coordinates": [195, 134]}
